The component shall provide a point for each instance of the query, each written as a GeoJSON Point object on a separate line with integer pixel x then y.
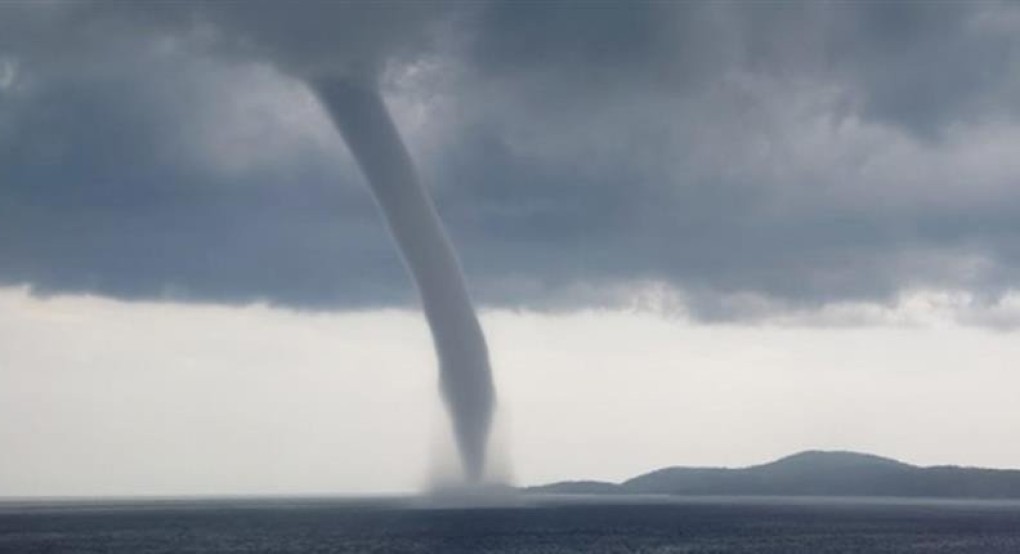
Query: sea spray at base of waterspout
{"type": "Point", "coordinates": [443, 471]}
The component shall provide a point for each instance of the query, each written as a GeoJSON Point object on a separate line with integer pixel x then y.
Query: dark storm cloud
{"type": "Point", "coordinates": [798, 154]}
{"type": "Point", "coordinates": [112, 185]}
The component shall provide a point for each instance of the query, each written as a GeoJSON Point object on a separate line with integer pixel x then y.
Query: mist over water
{"type": "Point", "coordinates": [465, 377]}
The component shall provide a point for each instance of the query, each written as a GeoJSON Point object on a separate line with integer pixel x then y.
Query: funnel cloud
{"type": "Point", "coordinates": [465, 377]}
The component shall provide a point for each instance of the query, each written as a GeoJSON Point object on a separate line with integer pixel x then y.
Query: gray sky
{"type": "Point", "coordinates": [694, 182]}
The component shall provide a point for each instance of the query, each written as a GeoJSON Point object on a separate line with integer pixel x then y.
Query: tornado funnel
{"type": "Point", "coordinates": [465, 377]}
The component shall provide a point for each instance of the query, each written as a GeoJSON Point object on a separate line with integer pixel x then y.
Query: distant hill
{"type": "Point", "coordinates": [578, 487]}
{"type": "Point", "coordinates": [813, 473]}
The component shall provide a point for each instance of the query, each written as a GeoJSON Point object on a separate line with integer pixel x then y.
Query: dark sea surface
{"type": "Point", "coordinates": [525, 524]}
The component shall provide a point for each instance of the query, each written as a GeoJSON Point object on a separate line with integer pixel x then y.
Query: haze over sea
{"type": "Point", "coordinates": [531, 524]}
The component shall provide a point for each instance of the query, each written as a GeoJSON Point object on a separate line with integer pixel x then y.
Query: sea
{"type": "Point", "coordinates": [522, 524]}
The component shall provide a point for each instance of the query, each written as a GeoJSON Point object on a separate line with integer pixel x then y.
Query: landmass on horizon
{"type": "Point", "coordinates": [811, 473]}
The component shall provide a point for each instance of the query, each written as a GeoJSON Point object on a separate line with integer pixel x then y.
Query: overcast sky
{"type": "Point", "coordinates": [700, 233]}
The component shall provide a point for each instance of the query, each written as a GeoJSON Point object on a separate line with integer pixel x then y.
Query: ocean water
{"type": "Point", "coordinates": [529, 525]}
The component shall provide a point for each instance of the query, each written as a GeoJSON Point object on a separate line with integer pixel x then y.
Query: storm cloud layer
{"type": "Point", "coordinates": [731, 159]}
